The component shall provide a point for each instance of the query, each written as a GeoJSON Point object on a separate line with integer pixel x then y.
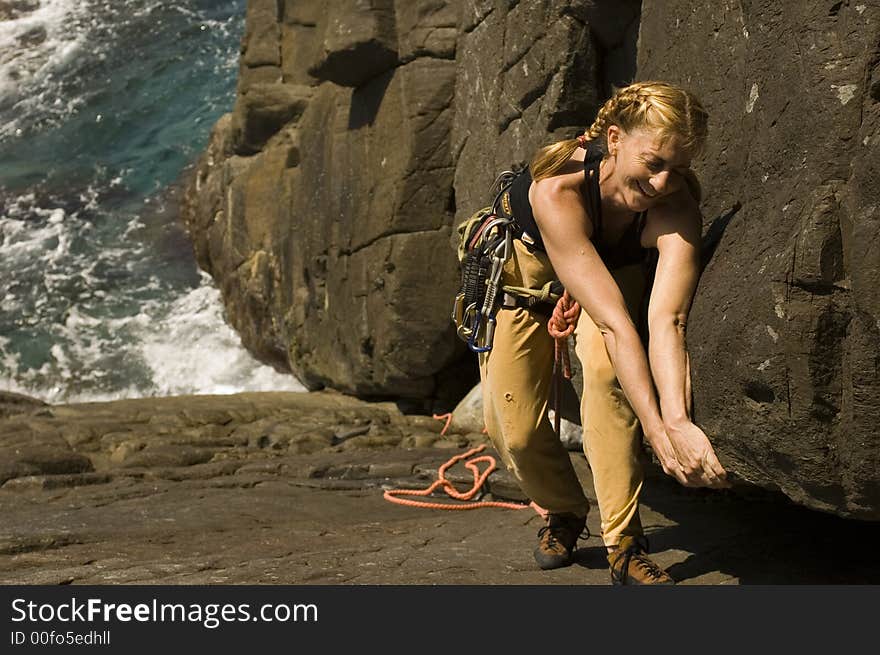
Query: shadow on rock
{"type": "Point", "coordinates": [759, 537]}
{"type": "Point", "coordinates": [592, 557]}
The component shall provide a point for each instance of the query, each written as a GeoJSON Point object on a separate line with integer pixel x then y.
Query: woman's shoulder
{"type": "Point", "coordinates": [679, 212]}
{"type": "Point", "coordinates": [559, 200]}
{"type": "Point", "coordinates": [678, 207]}
{"type": "Point", "coordinates": [567, 181]}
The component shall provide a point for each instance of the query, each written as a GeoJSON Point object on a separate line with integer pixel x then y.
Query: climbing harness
{"type": "Point", "coordinates": [485, 245]}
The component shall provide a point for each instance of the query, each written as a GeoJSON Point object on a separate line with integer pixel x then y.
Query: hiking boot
{"type": "Point", "coordinates": [557, 539]}
{"type": "Point", "coordinates": [631, 565]}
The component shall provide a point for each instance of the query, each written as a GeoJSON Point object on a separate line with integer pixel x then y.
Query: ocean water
{"type": "Point", "coordinates": [103, 104]}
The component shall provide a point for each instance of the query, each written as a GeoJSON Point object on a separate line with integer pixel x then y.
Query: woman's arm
{"type": "Point", "coordinates": [678, 271]}
{"type": "Point", "coordinates": [566, 230]}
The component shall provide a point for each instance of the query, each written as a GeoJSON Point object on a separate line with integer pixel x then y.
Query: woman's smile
{"type": "Point", "coordinates": [642, 190]}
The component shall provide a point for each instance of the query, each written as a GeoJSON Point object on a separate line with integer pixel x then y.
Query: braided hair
{"type": "Point", "coordinates": [661, 106]}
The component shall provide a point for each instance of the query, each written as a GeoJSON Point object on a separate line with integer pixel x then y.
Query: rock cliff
{"type": "Point", "coordinates": [324, 204]}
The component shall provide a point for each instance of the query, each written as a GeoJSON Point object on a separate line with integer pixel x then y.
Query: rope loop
{"type": "Point", "coordinates": [561, 326]}
{"type": "Point", "coordinates": [391, 495]}
{"type": "Point", "coordinates": [565, 317]}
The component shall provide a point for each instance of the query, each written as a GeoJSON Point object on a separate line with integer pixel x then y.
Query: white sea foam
{"type": "Point", "coordinates": [94, 304]}
{"type": "Point", "coordinates": [22, 239]}
{"type": "Point", "coordinates": [187, 350]}
{"type": "Point", "coordinates": [193, 350]}
{"type": "Point", "coordinates": [48, 54]}
{"type": "Point", "coordinates": [34, 45]}
{"type": "Point", "coordinates": [124, 341]}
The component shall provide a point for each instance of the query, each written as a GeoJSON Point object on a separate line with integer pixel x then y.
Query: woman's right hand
{"type": "Point", "coordinates": [686, 455]}
{"type": "Point", "coordinates": [696, 456]}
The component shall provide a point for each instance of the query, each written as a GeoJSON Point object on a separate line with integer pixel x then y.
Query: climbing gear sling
{"type": "Point", "coordinates": [485, 244]}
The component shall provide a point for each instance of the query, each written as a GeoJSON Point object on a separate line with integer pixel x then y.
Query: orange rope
{"type": "Point", "coordinates": [561, 326]}
{"type": "Point", "coordinates": [444, 417]}
{"type": "Point", "coordinates": [565, 317]}
{"type": "Point", "coordinates": [391, 495]}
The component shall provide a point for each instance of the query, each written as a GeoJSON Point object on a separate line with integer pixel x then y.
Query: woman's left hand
{"type": "Point", "coordinates": [696, 456]}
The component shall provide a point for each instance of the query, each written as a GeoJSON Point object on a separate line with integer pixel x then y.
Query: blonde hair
{"type": "Point", "coordinates": [660, 106]}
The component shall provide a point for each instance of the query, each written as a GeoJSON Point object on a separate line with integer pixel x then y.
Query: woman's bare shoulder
{"type": "Point", "coordinates": [679, 213]}
{"type": "Point", "coordinates": [558, 191]}
{"type": "Point", "coordinates": [570, 178]}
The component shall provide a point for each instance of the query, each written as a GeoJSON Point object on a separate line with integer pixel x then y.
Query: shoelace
{"type": "Point", "coordinates": [552, 540]}
{"type": "Point", "coordinates": [637, 553]}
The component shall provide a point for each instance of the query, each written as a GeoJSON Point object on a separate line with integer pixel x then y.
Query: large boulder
{"type": "Point", "coordinates": [371, 272]}
{"type": "Point", "coordinates": [785, 328]}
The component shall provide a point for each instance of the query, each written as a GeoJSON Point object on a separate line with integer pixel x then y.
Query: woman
{"type": "Point", "coordinates": [589, 210]}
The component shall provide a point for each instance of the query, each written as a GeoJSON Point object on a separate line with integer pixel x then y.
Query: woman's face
{"type": "Point", "coordinates": [647, 167]}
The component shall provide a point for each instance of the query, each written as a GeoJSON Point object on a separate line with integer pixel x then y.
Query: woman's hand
{"type": "Point", "coordinates": [662, 447]}
{"type": "Point", "coordinates": [696, 456]}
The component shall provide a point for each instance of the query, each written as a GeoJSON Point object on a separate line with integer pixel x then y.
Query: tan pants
{"type": "Point", "coordinates": [517, 375]}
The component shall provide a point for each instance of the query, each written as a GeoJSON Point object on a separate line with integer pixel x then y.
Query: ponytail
{"type": "Point", "coordinates": [550, 159]}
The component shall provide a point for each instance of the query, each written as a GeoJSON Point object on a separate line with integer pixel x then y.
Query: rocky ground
{"type": "Point", "coordinates": [287, 488]}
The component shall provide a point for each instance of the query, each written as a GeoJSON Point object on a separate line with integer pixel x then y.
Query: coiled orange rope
{"type": "Point", "coordinates": [561, 326]}
{"type": "Point", "coordinates": [391, 495]}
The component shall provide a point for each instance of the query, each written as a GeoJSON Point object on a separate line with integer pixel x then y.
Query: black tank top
{"type": "Point", "coordinates": [626, 251]}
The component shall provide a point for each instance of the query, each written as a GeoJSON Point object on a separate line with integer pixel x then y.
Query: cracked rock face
{"type": "Point", "coordinates": [323, 205]}
{"type": "Point", "coordinates": [785, 327]}
{"type": "Point", "coordinates": [362, 131]}
{"type": "Point", "coordinates": [530, 73]}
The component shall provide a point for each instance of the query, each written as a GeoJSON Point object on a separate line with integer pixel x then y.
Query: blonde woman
{"type": "Point", "coordinates": [589, 210]}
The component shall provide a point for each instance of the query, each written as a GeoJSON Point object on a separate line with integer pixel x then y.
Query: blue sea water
{"type": "Point", "coordinates": [103, 104]}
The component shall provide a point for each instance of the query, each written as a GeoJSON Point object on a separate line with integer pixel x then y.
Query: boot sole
{"type": "Point", "coordinates": [617, 583]}
{"type": "Point", "coordinates": [547, 563]}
